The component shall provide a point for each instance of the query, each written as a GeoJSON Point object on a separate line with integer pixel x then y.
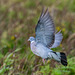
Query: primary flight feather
{"type": "Point", "coordinates": [46, 38]}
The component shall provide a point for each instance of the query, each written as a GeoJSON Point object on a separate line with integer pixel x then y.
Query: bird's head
{"type": "Point", "coordinates": [31, 39]}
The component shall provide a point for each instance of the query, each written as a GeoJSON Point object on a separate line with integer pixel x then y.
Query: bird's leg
{"type": "Point", "coordinates": [43, 61]}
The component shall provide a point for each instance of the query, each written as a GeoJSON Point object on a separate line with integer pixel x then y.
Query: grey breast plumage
{"type": "Point", "coordinates": [45, 29]}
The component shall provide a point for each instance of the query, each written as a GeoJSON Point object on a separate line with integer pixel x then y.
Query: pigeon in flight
{"type": "Point", "coordinates": [46, 38]}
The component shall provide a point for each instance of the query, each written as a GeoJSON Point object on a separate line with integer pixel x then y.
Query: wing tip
{"type": "Point", "coordinates": [44, 12]}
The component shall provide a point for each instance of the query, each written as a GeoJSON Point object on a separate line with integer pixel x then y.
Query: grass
{"type": "Point", "coordinates": [18, 19]}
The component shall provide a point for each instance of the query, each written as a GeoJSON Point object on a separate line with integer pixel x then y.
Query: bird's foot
{"type": "Point", "coordinates": [43, 61]}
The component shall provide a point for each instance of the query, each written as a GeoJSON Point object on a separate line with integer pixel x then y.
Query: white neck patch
{"type": "Point", "coordinates": [32, 41]}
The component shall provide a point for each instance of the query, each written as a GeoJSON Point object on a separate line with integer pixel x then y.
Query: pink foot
{"type": "Point", "coordinates": [43, 61]}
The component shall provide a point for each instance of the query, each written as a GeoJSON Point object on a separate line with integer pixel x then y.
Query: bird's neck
{"type": "Point", "coordinates": [32, 45]}
{"type": "Point", "coordinates": [32, 42]}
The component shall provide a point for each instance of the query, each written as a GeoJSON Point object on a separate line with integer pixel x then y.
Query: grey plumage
{"type": "Point", "coordinates": [46, 38]}
{"type": "Point", "coordinates": [45, 29]}
{"type": "Point", "coordinates": [58, 39]}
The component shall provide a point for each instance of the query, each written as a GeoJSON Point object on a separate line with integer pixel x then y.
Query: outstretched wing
{"type": "Point", "coordinates": [58, 39]}
{"type": "Point", "coordinates": [45, 29]}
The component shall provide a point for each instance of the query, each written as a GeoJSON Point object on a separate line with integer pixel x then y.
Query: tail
{"type": "Point", "coordinates": [63, 59]}
{"type": "Point", "coordinates": [60, 57]}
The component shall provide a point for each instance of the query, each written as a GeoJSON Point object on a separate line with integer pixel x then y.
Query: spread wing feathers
{"type": "Point", "coordinates": [58, 39]}
{"type": "Point", "coordinates": [45, 29]}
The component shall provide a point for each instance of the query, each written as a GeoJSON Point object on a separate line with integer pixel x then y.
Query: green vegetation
{"type": "Point", "coordinates": [18, 19]}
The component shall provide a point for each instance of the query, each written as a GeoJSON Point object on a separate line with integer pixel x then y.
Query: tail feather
{"type": "Point", "coordinates": [59, 56]}
{"type": "Point", "coordinates": [63, 59]}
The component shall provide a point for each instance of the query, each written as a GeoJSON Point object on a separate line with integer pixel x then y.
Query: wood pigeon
{"type": "Point", "coordinates": [46, 38]}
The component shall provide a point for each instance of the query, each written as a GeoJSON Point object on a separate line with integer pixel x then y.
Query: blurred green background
{"type": "Point", "coordinates": [18, 19]}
